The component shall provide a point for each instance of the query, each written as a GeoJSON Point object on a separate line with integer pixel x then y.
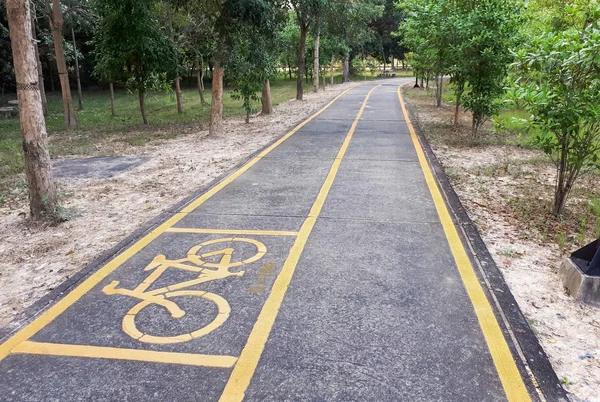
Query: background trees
{"type": "Point", "coordinates": [132, 47]}
{"type": "Point", "coordinates": [238, 47]}
{"type": "Point", "coordinates": [470, 41]}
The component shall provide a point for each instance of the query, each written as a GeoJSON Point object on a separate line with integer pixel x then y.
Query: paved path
{"type": "Point", "coordinates": [325, 269]}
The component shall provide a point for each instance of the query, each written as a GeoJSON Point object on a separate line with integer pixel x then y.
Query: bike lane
{"type": "Point", "coordinates": [114, 336]}
{"type": "Point", "coordinates": [350, 288]}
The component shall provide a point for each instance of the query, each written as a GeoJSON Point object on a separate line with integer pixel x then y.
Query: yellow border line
{"type": "Point", "coordinates": [60, 306]}
{"type": "Point", "coordinates": [234, 231]}
{"type": "Point", "coordinates": [511, 379]}
{"type": "Point", "coordinates": [248, 360]}
{"type": "Point", "coordinates": [58, 349]}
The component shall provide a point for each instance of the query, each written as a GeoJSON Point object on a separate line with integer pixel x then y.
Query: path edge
{"type": "Point", "coordinates": [48, 300]}
{"type": "Point", "coordinates": [493, 281]}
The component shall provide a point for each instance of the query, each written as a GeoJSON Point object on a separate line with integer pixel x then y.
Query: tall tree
{"type": "Point", "coordinates": [55, 17]}
{"type": "Point", "coordinates": [42, 192]}
{"type": "Point", "coordinates": [307, 12]}
{"type": "Point", "coordinates": [132, 47]}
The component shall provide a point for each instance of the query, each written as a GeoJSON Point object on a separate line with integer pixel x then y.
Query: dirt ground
{"type": "Point", "coordinates": [37, 258]}
{"type": "Point", "coordinates": [507, 192]}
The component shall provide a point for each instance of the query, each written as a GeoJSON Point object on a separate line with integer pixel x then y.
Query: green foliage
{"type": "Point", "coordinates": [131, 46]}
{"type": "Point", "coordinates": [559, 84]}
{"type": "Point", "coordinates": [470, 41]}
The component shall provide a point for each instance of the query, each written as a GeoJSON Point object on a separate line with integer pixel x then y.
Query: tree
{"type": "Point", "coordinates": [487, 32]}
{"type": "Point", "coordinates": [132, 47]}
{"type": "Point", "coordinates": [253, 59]}
{"type": "Point", "coordinates": [56, 24]}
{"type": "Point", "coordinates": [349, 25]}
{"type": "Point", "coordinates": [307, 12]}
{"type": "Point", "coordinates": [471, 40]}
{"type": "Point", "coordinates": [42, 192]}
{"type": "Point", "coordinates": [388, 45]}
{"type": "Point", "coordinates": [559, 83]}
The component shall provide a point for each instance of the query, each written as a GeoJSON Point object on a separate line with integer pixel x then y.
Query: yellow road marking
{"type": "Point", "coordinates": [60, 306]}
{"type": "Point", "coordinates": [57, 349]}
{"type": "Point", "coordinates": [248, 360]}
{"type": "Point", "coordinates": [511, 379]}
{"type": "Point", "coordinates": [234, 231]}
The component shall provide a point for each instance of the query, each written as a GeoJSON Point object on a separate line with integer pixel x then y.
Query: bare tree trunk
{"type": "Point", "coordinates": [316, 64]}
{"type": "Point", "coordinates": [290, 70]}
{"type": "Point", "coordinates": [112, 99]}
{"type": "Point", "coordinates": [216, 107]}
{"type": "Point", "coordinates": [324, 79]}
{"type": "Point", "coordinates": [79, 96]}
{"type": "Point", "coordinates": [39, 68]}
{"type": "Point", "coordinates": [439, 81]}
{"type": "Point", "coordinates": [301, 61]}
{"type": "Point", "coordinates": [42, 192]}
{"type": "Point", "coordinates": [200, 80]}
{"type": "Point", "coordinates": [142, 97]}
{"type": "Point", "coordinates": [331, 69]}
{"type": "Point", "coordinates": [459, 92]}
{"type": "Point", "coordinates": [56, 25]}
{"type": "Point", "coordinates": [178, 95]}
{"type": "Point", "coordinates": [267, 103]}
{"type": "Point", "coordinates": [346, 72]}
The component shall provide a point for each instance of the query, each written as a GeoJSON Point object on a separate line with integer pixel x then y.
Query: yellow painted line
{"type": "Point", "coordinates": [101, 352]}
{"type": "Point", "coordinates": [58, 308]}
{"type": "Point", "coordinates": [511, 379]}
{"type": "Point", "coordinates": [233, 231]}
{"type": "Point", "coordinates": [246, 365]}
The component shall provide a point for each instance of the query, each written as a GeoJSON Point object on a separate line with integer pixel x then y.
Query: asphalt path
{"type": "Point", "coordinates": [326, 268]}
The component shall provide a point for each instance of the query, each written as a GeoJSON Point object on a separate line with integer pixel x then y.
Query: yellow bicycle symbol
{"type": "Point", "coordinates": [194, 262]}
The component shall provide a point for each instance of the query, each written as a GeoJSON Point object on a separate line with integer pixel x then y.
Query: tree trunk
{"type": "Point", "coordinates": [142, 97]}
{"type": "Point", "coordinates": [439, 80]}
{"type": "Point", "coordinates": [200, 80]}
{"type": "Point", "coordinates": [324, 82]}
{"type": "Point", "coordinates": [42, 192]}
{"type": "Point", "coordinates": [52, 87]}
{"type": "Point", "coordinates": [459, 91]}
{"type": "Point", "coordinates": [178, 95]}
{"type": "Point", "coordinates": [290, 70]}
{"type": "Point", "coordinates": [39, 68]}
{"type": "Point", "coordinates": [267, 104]}
{"type": "Point", "coordinates": [422, 82]}
{"type": "Point", "coordinates": [112, 99]}
{"type": "Point", "coordinates": [346, 72]}
{"type": "Point", "coordinates": [316, 63]}
{"type": "Point", "coordinates": [331, 69]}
{"type": "Point", "coordinates": [56, 25]}
{"type": "Point", "coordinates": [79, 96]}
{"type": "Point", "coordinates": [301, 52]}
{"type": "Point", "coordinates": [216, 107]}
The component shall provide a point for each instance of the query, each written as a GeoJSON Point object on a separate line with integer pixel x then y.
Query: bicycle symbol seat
{"type": "Point", "coordinates": [195, 262]}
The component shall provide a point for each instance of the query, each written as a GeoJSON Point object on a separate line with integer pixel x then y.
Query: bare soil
{"type": "Point", "coordinates": [38, 257]}
{"type": "Point", "coordinates": [507, 191]}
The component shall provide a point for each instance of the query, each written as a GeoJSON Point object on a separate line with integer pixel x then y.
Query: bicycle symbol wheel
{"type": "Point", "coordinates": [209, 270]}
{"type": "Point", "coordinates": [130, 328]}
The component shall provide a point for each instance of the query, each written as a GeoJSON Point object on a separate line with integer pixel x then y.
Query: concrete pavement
{"type": "Point", "coordinates": [327, 268]}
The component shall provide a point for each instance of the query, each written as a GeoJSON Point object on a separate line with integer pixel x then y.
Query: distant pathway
{"type": "Point", "coordinates": [327, 268]}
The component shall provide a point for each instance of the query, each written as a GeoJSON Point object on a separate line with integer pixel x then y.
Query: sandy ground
{"type": "Point", "coordinates": [485, 178]}
{"type": "Point", "coordinates": [35, 258]}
